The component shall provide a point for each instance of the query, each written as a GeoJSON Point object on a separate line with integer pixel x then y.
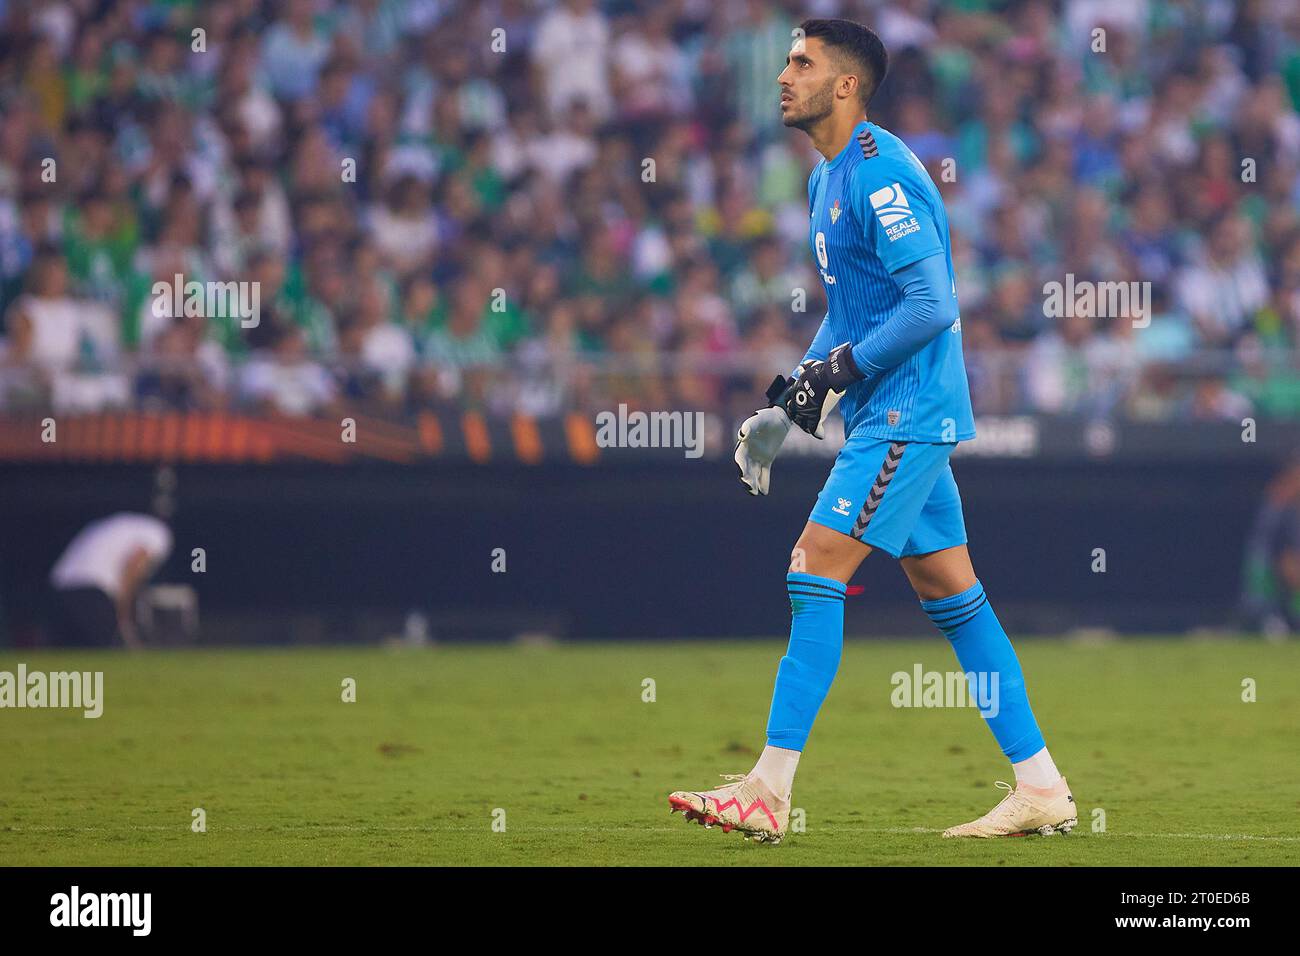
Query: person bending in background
{"type": "Point", "coordinates": [98, 576]}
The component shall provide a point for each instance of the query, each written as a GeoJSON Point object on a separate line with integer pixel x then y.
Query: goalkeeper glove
{"type": "Point", "coordinates": [811, 397]}
{"type": "Point", "coordinates": [760, 438]}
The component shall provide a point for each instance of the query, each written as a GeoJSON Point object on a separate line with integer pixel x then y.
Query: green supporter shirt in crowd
{"type": "Point", "coordinates": [442, 348]}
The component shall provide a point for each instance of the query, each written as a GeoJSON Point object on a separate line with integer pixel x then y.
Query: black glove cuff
{"type": "Point", "coordinates": [841, 370]}
{"type": "Point", "coordinates": [777, 389]}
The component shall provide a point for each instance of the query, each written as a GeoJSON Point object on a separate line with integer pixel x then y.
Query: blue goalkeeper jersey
{"type": "Point", "coordinates": [875, 210]}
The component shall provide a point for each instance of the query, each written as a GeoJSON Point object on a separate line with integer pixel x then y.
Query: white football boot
{"type": "Point", "coordinates": [1023, 811]}
{"type": "Point", "coordinates": [746, 805]}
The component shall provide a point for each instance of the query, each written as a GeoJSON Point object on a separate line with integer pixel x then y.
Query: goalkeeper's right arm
{"type": "Point", "coordinates": [761, 435]}
{"type": "Point", "coordinates": [821, 345]}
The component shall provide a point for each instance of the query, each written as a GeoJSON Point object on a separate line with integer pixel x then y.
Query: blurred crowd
{"type": "Point", "coordinates": [538, 205]}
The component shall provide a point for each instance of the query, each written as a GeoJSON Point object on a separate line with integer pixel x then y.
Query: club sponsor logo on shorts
{"type": "Point", "coordinates": [892, 416]}
{"type": "Point", "coordinates": [894, 212]}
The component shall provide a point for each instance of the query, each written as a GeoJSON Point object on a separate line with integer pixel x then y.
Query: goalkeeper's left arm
{"type": "Point", "coordinates": [928, 307]}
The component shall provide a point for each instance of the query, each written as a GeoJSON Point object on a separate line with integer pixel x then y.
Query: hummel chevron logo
{"type": "Point", "coordinates": [883, 478]}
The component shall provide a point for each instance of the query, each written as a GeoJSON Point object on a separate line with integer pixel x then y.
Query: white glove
{"type": "Point", "coordinates": [757, 443]}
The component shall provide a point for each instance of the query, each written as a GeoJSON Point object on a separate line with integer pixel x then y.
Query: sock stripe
{"type": "Point", "coordinates": [813, 584]}
{"type": "Point", "coordinates": [948, 625]}
{"type": "Point", "coordinates": [818, 594]}
{"type": "Point", "coordinates": [948, 614]}
{"type": "Point", "coordinates": [941, 605]}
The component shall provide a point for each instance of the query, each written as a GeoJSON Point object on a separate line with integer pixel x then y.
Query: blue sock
{"type": "Point", "coordinates": [810, 662]}
{"type": "Point", "coordinates": [983, 648]}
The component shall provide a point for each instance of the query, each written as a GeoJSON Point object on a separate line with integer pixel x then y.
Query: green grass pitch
{"type": "Point", "coordinates": [1155, 733]}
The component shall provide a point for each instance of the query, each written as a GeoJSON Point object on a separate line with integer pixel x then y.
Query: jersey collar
{"type": "Point", "coordinates": [851, 145]}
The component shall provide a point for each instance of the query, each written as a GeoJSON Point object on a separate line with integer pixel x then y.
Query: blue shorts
{"type": "Point", "coordinates": [899, 497]}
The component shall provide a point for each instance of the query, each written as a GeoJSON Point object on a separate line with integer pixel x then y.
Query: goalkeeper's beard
{"type": "Point", "coordinates": [816, 108]}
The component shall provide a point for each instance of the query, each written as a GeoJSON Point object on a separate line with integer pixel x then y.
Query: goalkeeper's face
{"type": "Point", "coordinates": [807, 84]}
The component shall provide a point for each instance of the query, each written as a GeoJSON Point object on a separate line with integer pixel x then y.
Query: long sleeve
{"type": "Point", "coordinates": [929, 307]}
{"type": "Point", "coordinates": [821, 344]}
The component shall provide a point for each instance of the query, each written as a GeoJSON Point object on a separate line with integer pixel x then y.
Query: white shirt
{"type": "Point", "coordinates": [97, 556]}
{"type": "Point", "coordinates": [295, 389]}
{"type": "Point", "coordinates": [571, 51]}
{"type": "Point", "coordinates": [388, 348]}
{"type": "Point", "coordinates": [406, 240]}
{"type": "Point", "coordinates": [56, 330]}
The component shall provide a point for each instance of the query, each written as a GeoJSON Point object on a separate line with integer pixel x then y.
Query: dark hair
{"type": "Point", "coordinates": [856, 42]}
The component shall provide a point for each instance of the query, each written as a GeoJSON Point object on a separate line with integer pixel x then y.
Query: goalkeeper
{"type": "Point", "coordinates": [889, 355]}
